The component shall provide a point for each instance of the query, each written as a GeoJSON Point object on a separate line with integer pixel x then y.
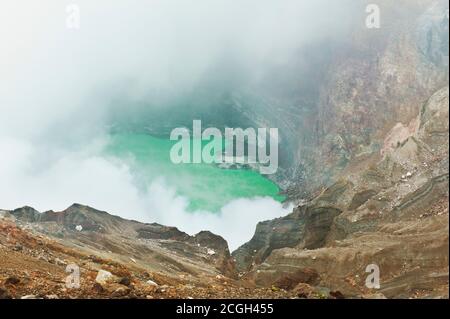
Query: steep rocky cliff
{"type": "Point", "coordinates": [378, 78]}
{"type": "Point", "coordinates": [372, 153]}
{"type": "Point", "coordinates": [393, 213]}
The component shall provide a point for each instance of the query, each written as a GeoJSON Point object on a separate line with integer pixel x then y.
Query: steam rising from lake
{"type": "Point", "coordinates": [57, 86]}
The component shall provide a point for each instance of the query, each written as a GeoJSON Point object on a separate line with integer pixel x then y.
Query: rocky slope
{"type": "Point", "coordinates": [41, 255]}
{"type": "Point", "coordinates": [392, 213]}
{"type": "Point", "coordinates": [152, 246]}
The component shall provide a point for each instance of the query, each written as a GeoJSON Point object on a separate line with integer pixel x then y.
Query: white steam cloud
{"type": "Point", "coordinates": [84, 177]}
{"type": "Point", "coordinates": [56, 86]}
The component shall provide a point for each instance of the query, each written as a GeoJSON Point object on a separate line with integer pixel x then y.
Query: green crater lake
{"type": "Point", "coordinates": [207, 186]}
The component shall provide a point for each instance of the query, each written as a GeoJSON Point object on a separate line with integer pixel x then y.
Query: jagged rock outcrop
{"type": "Point", "coordinates": [217, 247]}
{"type": "Point", "coordinates": [306, 226]}
{"type": "Point", "coordinates": [393, 213]}
{"type": "Point", "coordinates": [155, 247]}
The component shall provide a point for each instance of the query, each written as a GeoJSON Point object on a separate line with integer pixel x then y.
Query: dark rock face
{"type": "Point", "coordinates": [269, 235]}
{"type": "Point", "coordinates": [70, 218]}
{"type": "Point", "coordinates": [27, 214]}
{"type": "Point", "coordinates": [306, 226]}
{"type": "Point", "coordinates": [156, 231]}
{"type": "Point", "coordinates": [217, 248]}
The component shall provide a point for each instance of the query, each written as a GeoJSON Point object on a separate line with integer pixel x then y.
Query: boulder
{"type": "Point", "coordinates": [104, 277]}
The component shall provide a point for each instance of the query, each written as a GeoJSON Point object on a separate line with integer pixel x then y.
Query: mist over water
{"type": "Point", "coordinates": [59, 88]}
{"type": "Point", "coordinates": [207, 186]}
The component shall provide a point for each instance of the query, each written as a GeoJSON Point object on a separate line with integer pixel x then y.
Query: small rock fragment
{"type": "Point", "coordinates": [12, 280]}
{"type": "Point", "coordinates": [125, 281]}
{"type": "Point", "coordinates": [121, 291]}
{"type": "Point", "coordinates": [103, 277]}
{"type": "Point", "coordinates": [337, 295]}
{"type": "Point", "coordinates": [98, 288]}
{"type": "Point", "coordinates": [151, 283]}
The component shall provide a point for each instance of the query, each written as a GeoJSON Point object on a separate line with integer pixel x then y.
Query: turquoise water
{"type": "Point", "coordinates": [207, 186]}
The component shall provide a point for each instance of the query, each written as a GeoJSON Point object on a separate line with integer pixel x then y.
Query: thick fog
{"type": "Point", "coordinates": [57, 83]}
